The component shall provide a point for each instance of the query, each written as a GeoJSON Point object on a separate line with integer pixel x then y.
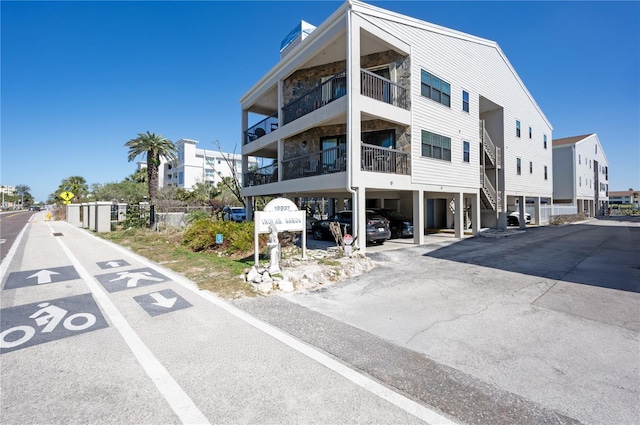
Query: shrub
{"type": "Point", "coordinates": [237, 237]}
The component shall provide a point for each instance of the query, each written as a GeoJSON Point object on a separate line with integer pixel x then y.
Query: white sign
{"type": "Point", "coordinates": [286, 217]}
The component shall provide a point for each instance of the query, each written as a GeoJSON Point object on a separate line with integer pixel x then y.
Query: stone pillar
{"type": "Point", "coordinates": [73, 215]}
{"type": "Point", "coordinates": [85, 215]}
{"type": "Point", "coordinates": [92, 216]}
{"type": "Point", "coordinates": [103, 217]}
{"type": "Point", "coordinates": [537, 210]}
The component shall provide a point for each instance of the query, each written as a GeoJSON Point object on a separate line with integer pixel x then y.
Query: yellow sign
{"type": "Point", "coordinates": [67, 196]}
{"type": "Point", "coordinates": [66, 202]}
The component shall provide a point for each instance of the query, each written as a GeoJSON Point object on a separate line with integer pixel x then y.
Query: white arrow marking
{"type": "Point", "coordinates": [44, 276]}
{"type": "Point", "coordinates": [162, 301]}
{"type": "Point", "coordinates": [113, 264]}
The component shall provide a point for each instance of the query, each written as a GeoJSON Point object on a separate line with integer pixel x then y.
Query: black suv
{"type": "Point", "coordinates": [377, 227]}
{"type": "Point", "coordinates": [401, 225]}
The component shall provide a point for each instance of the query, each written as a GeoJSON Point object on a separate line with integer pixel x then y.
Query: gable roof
{"type": "Point", "coordinates": [570, 140]}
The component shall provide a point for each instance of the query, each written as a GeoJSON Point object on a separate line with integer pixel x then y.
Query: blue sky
{"type": "Point", "coordinates": [79, 79]}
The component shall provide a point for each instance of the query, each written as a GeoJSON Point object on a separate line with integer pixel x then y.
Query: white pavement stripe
{"type": "Point", "coordinates": [12, 251]}
{"type": "Point", "coordinates": [179, 401]}
{"type": "Point", "coordinates": [404, 403]}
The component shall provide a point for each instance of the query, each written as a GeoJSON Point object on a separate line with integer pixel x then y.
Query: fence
{"type": "Point", "coordinates": [546, 211]}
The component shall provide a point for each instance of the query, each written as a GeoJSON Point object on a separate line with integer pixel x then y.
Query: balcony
{"type": "Point", "coordinates": [327, 161]}
{"type": "Point", "coordinates": [385, 160]}
{"type": "Point", "coordinates": [263, 175]}
{"type": "Point", "coordinates": [372, 86]}
{"type": "Point", "coordinates": [258, 130]}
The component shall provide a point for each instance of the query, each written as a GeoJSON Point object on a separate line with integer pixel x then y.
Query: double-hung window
{"type": "Point", "coordinates": [517, 128]}
{"type": "Point", "coordinates": [544, 140]}
{"type": "Point", "coordinates": [466, 151]}
{"type": "Point", "coordinates": [465, 101]}
{"type": "Point", "coordinates": [530, 167]}
{"type": "Point", "coordinates": [518, 166]}
{"type": "Point", "coordinates": [545, 172]}
{"type": "Point", "coordinates": [435, 89]}
{"type": "Point", "coordinates": [530, 133]}
{"type": "Point", "coordinates": [436, 146]}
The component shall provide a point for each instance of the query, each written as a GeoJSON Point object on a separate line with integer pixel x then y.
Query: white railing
{"type": "Point", "coordinates": [547, 211]}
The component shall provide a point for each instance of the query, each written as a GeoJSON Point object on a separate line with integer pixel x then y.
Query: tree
{"type": "Point", "coordinates": [232, 183]}
{"type": "Point", "coordinates": [125, 191]}
{"type": "Point", "coordinates": [22, 190]}
{"type": "Point", "coordinates": [74, 184]}
{"type": "Point", "coordinates": [156, 147]}
{"type": "Point", "coordinates": [139, 176]}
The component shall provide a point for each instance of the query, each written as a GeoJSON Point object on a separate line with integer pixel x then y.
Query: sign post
{"type": "Point", "coordinates": [285, 216]}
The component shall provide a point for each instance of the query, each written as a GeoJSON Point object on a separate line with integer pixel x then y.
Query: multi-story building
{"type": "Point", "coordinates": [581, 173]}
{"type": "Point", "coordinates": [377, 109]}
{"type": "Point", "coordinates": [199, 166]}
{"type": "Point", "coordinates": [625, 197]}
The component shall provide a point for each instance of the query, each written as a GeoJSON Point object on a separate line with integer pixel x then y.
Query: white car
{"type": "Point", "coordinates": [234, 214]}
{"type": "Point", "coordinates": [513, 218]}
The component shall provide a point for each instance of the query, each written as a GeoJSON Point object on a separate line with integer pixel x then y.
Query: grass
{"type": "Point", "coordinates": [220, 274]}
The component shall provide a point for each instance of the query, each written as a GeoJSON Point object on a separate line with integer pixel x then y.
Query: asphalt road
{"type": "Point", "coordinates": [11, 223]}
{"type": "Point", "coordinates": [539, 327]}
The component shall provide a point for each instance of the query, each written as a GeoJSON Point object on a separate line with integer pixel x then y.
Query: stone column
{"type": "Point", "coordinates": [85, 215]}
{"type": "Point", "coordinates": [73, 215]}
{"type": "Point", "coordinates": [103, 217]}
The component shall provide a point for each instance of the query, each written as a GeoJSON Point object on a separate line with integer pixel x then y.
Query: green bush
{"type": "Point", "coordinates": [201, 235]}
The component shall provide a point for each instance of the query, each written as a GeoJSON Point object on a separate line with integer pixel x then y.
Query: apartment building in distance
{"type": "Point", "coordinates": [581, 174]}
{"type": "Point", "coordinates": [376, 109]}
{"type": "Point", "coordinates": [197, 166]}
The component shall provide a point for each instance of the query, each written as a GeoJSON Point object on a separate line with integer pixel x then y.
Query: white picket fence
{"type": "Point", "coordinates": [547, 211]}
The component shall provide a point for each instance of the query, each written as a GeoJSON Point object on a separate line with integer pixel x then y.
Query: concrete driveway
{"type": "Point", "coordinates": [550, 316]}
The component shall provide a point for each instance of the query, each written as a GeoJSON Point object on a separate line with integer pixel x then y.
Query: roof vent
{"type": "Point", "coordinates": [295, 37]}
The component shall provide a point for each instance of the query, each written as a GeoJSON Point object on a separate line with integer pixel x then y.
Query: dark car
{"type": "Point", "coordinates": [377, 227]}
{"type": "Point", "coordinates": [401, 225]}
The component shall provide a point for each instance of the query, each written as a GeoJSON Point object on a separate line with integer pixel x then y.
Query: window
{"type": "Point", "coordinates": [596, 149]}
{"type": "Point", "coordinates": [517, 128]}
{"type": "Point", "coordinates": [530, 133]}
{"type": "Point", "coordinates": [580, 181]}
{"type": "Point", "coordinates": [518, 166]}
{"type": "Point", "coordinates": [466, 151]}
{"type": "Point", "coordinates": [435, 89]}
{"type": "Point", "coordinates": [465, 101]}
{"type": "Point", "coordinates": [579, 159]}
{"type": "Point", "coordinates": [530, 167]}
{"type": "Point", "coordinates": [589, 164]}
{"type": "Point", "coordinates": [545, 172]}
{"type": "Point", "coordinates": [436, 146]}
{"type": "Point", "coordinates": [180, 177]}
{"type": "Point", "coordinates": [544, 141]}
{"type": "Point", "coordinates": [383, 138]}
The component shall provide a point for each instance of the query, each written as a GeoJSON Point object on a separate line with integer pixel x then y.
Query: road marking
{"type": "Point", "coordinates": [179, 401]}
{"type": "Point", "coordinates": [12, 251]}
{"type": "Point", "coordinates": [43, 276]}
{"type": "Point", "coordinates": [404, 403]}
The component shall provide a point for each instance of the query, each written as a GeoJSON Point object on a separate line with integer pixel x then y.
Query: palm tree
{"type": "Point", "coordinates": [156, 147]}
{"type": "Point", "coordinates": [22, 190]}
{"type": "Point", "coordinates": [76, 185]}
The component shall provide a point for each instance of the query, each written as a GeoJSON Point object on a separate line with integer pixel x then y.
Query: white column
{"type": "Point", "coordinates": [538, 210]}
{"type": "Point", "coordinates": [475, 213]}
{"type": "Point", "coordinates": [522, 214]}
{"type": "Point", "coordinates": [418, 216]}
{"type": "Point", "coordinates": [458, 217]}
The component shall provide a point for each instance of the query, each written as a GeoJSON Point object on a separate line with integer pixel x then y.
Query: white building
{"type": "Point", "coordinates": [581, 173]}
{"type": "Point", "coordinates": [198, 165]}
{"type": "Point", "coordinates": [377, 109]}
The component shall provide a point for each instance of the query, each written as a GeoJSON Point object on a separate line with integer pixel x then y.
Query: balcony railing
{"type": "Point", "coordinates": [258, 130]}
{"type": "Point", "coordinates": [330, 90]}
{"type": "Point", "coordinates": [327, 161]}
{"type": "Point", "coordinates": [385, 160]}
{"type": "Point", "coordinates": [376, 87]}
{"type": "Point", "coordinates": [264, 175]}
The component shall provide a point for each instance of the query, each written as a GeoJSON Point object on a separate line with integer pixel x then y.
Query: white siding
{"type": "Point", "coordinates": [563, 173]}
{"type": "Point", "coordinates": [478, 68]}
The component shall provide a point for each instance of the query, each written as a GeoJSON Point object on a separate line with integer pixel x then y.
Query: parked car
{"type": "Point", "coordinates": [34, 208]}
{"type": "Point", "coordinates": [401, 226]}
{"type": "Point", "coordinates": [234, 214]}
{"type": "Point", "coordinates": [377, 227]}
{"type": "Point", "coordinates": [513, 218]}
{"type": "Point", "coordinates": [310, 220]}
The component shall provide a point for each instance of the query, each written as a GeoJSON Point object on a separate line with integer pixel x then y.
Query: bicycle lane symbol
{"type": "Point", "coordinates": [32, 324]}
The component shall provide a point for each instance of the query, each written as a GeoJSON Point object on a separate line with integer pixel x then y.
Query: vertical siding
{"type": "Point", "coordinates": [480, 70]}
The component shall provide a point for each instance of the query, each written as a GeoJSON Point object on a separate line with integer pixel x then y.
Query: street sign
{"type": "Point", "coordinates": [67, 196]}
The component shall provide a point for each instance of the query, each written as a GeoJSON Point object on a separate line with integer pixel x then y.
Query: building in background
{"type": "Point", "coordinates": [198, 165]}
{"type": "Point", "coordinates": [630, 198]}
{"type": "Point", "coordinates": [6, 191]}
{"type": "Point", "coordinates": [376, 109]}
{"type": "Point", "coordinates": [581, 174]}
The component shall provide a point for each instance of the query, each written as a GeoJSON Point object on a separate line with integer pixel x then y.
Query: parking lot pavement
{"type": "Point", "coordinates": [551, 315]}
